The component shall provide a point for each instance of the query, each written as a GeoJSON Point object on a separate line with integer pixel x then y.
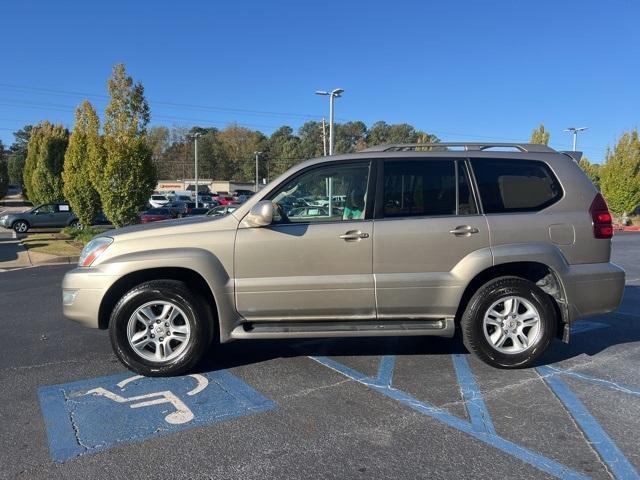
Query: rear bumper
{"type": "Point", "coordinates": [593, 289]}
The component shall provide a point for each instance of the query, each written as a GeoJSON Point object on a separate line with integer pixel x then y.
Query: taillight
{"type": "Point", "coordinates": [602, 221]}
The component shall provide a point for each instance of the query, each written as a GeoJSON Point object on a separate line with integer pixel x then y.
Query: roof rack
{"type": "Point", "coordinates": [444, 146]}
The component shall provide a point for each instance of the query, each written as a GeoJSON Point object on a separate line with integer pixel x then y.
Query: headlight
{"type": "Point", "coordinates": [93, 250]}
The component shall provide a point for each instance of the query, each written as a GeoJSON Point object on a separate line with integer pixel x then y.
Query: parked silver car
{"type": "Point", "coordinates": [508, 243]}
{"type": "Point", "coordinates": [53, 215]}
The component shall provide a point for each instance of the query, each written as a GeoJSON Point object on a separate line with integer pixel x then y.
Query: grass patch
{"type": "Point", "coordinates": [81, 236]}
{"type": "Point", "coordinates": [53, 244]}
{"type": "Point", "coordinates": [67, 243]}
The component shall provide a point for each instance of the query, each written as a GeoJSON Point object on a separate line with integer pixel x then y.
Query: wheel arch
{"type": "Point", "coordinates": [544, 276]}
{"type": "Point", "coordinates": [194, 280]}
{"type": "Point", "coordinates": [21, 220]}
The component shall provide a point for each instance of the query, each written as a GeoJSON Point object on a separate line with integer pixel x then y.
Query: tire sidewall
{"type": "Point", "coordinates": [20, 222]}
{"type": "Point", "coordinates": [196, 317]}
{"type": "Point", "coordinates": [473, 333]}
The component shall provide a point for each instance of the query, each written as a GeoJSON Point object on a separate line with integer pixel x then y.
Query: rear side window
{"type": "Point", "coordinates": [426, 188]}
{"type": "Point", "coordinates": [508, 186]}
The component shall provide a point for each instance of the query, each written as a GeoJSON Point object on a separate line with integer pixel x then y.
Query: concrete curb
{"type": "Point", "coordinates": [627, 228]}
{"type": "Point", "coordinates": [37, 258]}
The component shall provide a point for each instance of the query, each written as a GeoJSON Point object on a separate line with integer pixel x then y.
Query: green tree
{"type": "Point", "coordinates": [540, 135]}
{"type": "Point", "coordinates": [620, 174]}
{"type": "Point", "coordinates": [283, 151]}
{"type": "Point", "coordinates": [78, 187]}
{"type": "Point", "coordinates": [591, 169]}
{"type": "Point", "coordinates": [18, 154]}
{"type": "Point", "coordinates": [43, 166]}
{"type": "Point", "coordinates": [122, 164]}
{"type": "Point", "coordinates": [350, 137]}
{"type": "Point", "coordinates": [4, 174]}
{"type": "Point", "coordinates": [239, 144]}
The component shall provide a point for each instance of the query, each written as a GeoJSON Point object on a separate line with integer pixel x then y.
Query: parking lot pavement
{"type": "Point", "coordinates": [357, 408]}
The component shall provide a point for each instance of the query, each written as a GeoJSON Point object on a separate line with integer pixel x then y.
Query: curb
{"type": "Point", "coordinates": [627, 228]}
{"type": "Point", "coordinates": [38, 259]}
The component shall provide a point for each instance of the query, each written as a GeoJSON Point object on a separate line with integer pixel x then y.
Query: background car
{"type": "Point", "coordinates": [308, 212]}
{"type": "Point", "coordinates": [178, 209]}
{"type": "Point", "coordinates": [226, 200]}
{"type": "Point", "coordinates": [198, 211]}
{"type": "Point", "coordinates": [155, 215]}
{"type": "Point", "coordinates": [50, 215]}
{"type": "Point", "coordinates": [222, 210]}
{"type": "Point", "coordinates": [158, 201]}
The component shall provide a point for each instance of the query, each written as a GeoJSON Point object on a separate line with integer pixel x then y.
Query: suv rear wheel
{"type": "Point", "coordinates": [509, 322]}
{"type": "Point", "coordinates": [160, 328]}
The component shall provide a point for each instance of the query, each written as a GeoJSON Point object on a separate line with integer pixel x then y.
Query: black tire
{"type": "Point", "coordinates": [472, 321]}
{"type": "Point", "coordinates": [197, 315]}
{"type": "Point", "coordinates": [20, 226]}
{"type": "Point", "coordinates": [75, 224]}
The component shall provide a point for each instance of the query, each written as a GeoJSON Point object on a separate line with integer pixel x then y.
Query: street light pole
{"type": "Point", "coordinates": [257, 154]}
{"type": "Point", "coordinates": [324, 138]}
{"type": "Point", "coordinates": [195, 138]}
{"type": "Point", "coordinates": [336, 92]}
{"type": "Point", "coordinates": [574, 131]}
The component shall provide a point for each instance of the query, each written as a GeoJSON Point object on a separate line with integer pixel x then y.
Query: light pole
{"type": "Point", "coordinates": [195, 139]}
{"type": "Point", "coordinates": [574, 131]}
{"type": "Point", "coordinates": [257, 154]}
{"type": "Point", "coordinates": [337, 92]}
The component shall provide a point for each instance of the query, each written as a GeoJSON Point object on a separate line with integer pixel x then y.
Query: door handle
{"type": "Point", "coordinates": [463, 231]}
{"type": "Point", "coordinates": [352, 235]}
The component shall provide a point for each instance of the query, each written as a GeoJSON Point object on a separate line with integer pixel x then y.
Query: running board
{"type": "Point", "coordinates": [443, 327]}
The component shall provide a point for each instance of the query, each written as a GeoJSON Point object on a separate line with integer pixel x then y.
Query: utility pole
{"type": "Point", "coordinates": [336, 92]}
{"type": "Point", "coordinates": [195, 139]}
{"type": "Point", "coordinates": [257, 154]}
{"type": "Point", "coordinates": [324, 137]}
{"type": "Point", "coordinates": [575, 131]}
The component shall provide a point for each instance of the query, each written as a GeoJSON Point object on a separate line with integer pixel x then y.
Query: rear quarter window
{"type": "Point", "coordinates": [509, 186]}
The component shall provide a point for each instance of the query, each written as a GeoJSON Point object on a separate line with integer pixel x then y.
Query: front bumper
{"type": "Point", "coordinates": [82, 292]}
{"type": "Point", "coordinates": [593, 289]}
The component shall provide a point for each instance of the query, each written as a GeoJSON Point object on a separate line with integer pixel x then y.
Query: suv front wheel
{"type": "Point", "coordinates": [509, 322]}
{"type": "Point", "coordinates": [160, 328]}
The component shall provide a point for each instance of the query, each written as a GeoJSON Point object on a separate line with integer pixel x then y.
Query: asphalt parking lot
{"type": "Point", "coordinates": [358, 408]}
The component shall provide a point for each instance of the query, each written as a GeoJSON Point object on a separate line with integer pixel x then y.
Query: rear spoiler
{"type": "Point", "coordinates": [576, 156]}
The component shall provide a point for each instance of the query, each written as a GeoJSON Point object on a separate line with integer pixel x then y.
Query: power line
{"type": "Point", "coordinates": [50, 91]}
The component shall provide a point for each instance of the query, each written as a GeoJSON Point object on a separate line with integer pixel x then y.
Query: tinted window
{"type": "Point", "coordinates": [515, 185]}
{"type": "Point", "coordinates": [327, 193]}
{"type": "Point", "coordinates": [420, 187]}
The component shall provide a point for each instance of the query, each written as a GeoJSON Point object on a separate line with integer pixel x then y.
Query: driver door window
{"type": "Point", "coordinates": [330, 193]}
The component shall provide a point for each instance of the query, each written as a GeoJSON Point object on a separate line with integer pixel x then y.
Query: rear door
{"type": "Point", "coordinates": [427, 223]}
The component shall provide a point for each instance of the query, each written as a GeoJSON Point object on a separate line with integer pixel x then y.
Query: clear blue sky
{"type": "Point", "coordinates": [464, 70]}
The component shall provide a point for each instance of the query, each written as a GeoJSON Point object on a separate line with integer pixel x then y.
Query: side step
{"type": "Point", "coordinates": [362, 328]}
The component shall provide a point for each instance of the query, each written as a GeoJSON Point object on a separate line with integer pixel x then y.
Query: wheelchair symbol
{"type": "Point", "coordinates": [183, 414]}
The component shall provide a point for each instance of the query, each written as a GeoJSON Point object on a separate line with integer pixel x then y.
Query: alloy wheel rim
{"type": "Point", "coordinates": [512, 325]}
{"type": "Point", "coordinates": [158, 331]}
{"type": "Point", "coordinates": [22, 227]}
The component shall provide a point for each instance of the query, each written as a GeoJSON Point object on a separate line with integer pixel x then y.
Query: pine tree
{"type": "Point", "coordinates": [78, 187]}
{"type": "Point", "coordinates": [620, 174]}
{"type": "Point", "coordinates": [122, 166]}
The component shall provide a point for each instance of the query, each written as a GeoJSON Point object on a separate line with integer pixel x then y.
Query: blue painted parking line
{"type": "Point", "coordinates": [586, 326]}
{"type": "Point", "coordinates": [598, 438]}
{"type": "Point", "coordinates": [476, 408]}
{"type": "Point", "coordinates": [91, 415]}
{"type": "Point", "coordinates": [620, 387]}
{"type": "Point", "coordinates": [541, 462]}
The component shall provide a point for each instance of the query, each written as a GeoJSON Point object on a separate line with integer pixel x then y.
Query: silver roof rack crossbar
{"type": "Point", "coordinates": [411, 147]}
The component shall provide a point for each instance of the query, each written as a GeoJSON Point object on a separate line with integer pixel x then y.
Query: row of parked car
{"type": "Point", "coordinates": [165, 206]}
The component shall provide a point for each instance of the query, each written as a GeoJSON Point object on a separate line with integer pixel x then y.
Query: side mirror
{"type": "Point", "coordinates": [260, 215]}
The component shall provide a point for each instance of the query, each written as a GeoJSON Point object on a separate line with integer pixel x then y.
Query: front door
{"type": "Point", "coordinates": [43, 216]}
{"type": "Point", "coordinates": [429, 230]}
{"type": "Point", "coordinates": [314, 262]}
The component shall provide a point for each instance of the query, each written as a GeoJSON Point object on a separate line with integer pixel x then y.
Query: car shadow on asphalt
{"type": "Point", "coordinates": [612, 329]}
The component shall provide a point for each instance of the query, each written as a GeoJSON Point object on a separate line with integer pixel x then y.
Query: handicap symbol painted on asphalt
{"type": "Point", "coordinates": [91, 415]}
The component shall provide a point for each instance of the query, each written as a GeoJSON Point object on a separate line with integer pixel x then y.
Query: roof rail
{"type": "Point", "coordinates": [466, 146]}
